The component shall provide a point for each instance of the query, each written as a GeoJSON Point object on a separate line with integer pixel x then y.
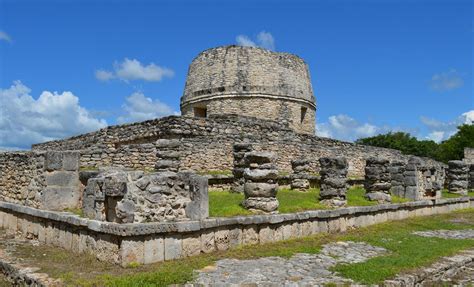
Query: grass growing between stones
{"type": "Point", "coordinates": [407, 252]}
{"type": "Point", "coordinates": [226, 204]}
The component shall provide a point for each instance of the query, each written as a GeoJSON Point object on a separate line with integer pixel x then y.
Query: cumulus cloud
{"type": "Point", "coordinates": [343, 127]}
{"type": "Point", "coordinates": [140, 108]}
{"type": "Point", "coordinates": [25, 120]}
{"type": "Point", "coordinates": [130, 70]}
{"type": "Point", "coordinates": [439, 130]}
{"type": "Point", "coordinates": [264, 40]}
{"type": "Point", "coordinates": [446, 81]}
{"type": "Point", "coordinates": [5, 37]}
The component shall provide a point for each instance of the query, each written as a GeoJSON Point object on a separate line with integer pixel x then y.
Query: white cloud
{"type": "Point", "coordinates": [140, 108]}
{"type": "Point", "coordinates": [129, 70]}
{"type": "Point", "coordinates": [26, 120]}
{"type": "Point", "coordinates": [439, 131]}
{"type": "Point", "coordinates": [343, 127]}
{"type": "Point", "coordinates": [103, 75]}
{"type": "Point", "coordinates": [264, 40]}
{"type": "Point", "coordinates": [5, 37]}
{"type": "Point", "coordinates": [446, 81]}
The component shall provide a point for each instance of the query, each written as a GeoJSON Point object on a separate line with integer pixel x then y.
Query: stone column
{"type": "Point", "coordinates": [167, 155]}
{"type": "Point", "coordinates": [333, 181]}
{"type": "Point", "coordinates": [471, 176]}
{"type": "Point", "coordinates": [299, 178]}
{"type": "Point", "coordinates": [260, 185]}
{"type": "Point", "coordinates": [239, 150]}
{"type": "Point", "coordinates": [377, 180]}
{"type": "Point", "coordinates": [458, 174]}
{"type": "Point", "coordinates": [397, 178]}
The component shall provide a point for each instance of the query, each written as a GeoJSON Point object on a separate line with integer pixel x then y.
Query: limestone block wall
{"type": "Point", "coordinates": [147, 243]}
{"type": "Point", "coordinates": [48, 180]}
{"type": "Point", "coordinates": [206, 144]}
{"type": "Point", "coordinates": [299, 116]}
{"type": "Point", "coordinates": [469, 155]}
{"type": "Point", "coordinates": [252, 82]}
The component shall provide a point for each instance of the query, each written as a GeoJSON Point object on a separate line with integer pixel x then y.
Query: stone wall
{"type": "Point", "coordinates": [206, 144]}
{"type": "Point", "coordinates": [122, 196]}
{"type": "Point", "coordinates": [299, 116]}
{"type": "Point", "coordinates": [147, 243]}
{"type": "Point", "coordinates": [469, 155]}
{"type": "Point", "coordinates": [48, 180]}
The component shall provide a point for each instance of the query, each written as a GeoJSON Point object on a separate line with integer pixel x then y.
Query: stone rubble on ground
{"type": "Point", "coordinates": [448, 234]}
{"type": "Point", "coordinates": [299, 270]}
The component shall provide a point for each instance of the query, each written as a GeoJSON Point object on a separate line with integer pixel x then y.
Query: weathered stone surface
{"type": "Point", "coordinates": [458, 177]}
{"type": "Point", "coordinates": [377, 179]}
{"type": "Point", "coordinates": [333, 181]}
{"type": "Point", "coordinates": [265, 204]}
{"type": "Point", "coordinates": [299, 178]}
{"type": "Point", "coordinates": [132, 197]}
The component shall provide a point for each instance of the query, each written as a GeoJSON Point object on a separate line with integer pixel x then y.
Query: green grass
{"type": "Point", "coordinates": [226, 204]}
{"type": "Point", "coordinates": [215, 172]}
{"type": "Point", "coordinates": [407, 251]}
{"type": "Point", "coordinates": [76, 211]}
{"type": "Point", "coordinates": [446, 194]}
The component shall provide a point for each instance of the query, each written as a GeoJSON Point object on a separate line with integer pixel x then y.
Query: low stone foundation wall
{"type": "Point", "coordinates": [154, 242]}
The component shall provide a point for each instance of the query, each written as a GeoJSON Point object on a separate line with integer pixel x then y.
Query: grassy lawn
{"type": "Point", "coordinates": [446, 194]}
{"type": "Point", "coordinates": [407, 252]}
{"type": "Point", "coordinates": [224, 203]}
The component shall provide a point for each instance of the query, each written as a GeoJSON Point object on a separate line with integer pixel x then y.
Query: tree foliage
{"type": "Point", "coordinates": [452, 148]}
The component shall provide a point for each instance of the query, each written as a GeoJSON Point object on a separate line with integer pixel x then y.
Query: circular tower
{"type": "Point", "coordinates": [252, 82]}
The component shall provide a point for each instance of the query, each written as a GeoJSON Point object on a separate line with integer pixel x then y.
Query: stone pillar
{"type": "Point", "coordinates": [397, 178]}
{"type": "Point", "coordinates": [167, 155]}
{"type": "Point", "coordinates": [458, 177]}
{"type": "Point", "coordinates": [239, 166]}
{"type": "Point", "coordinates": [260, 185]}
{"type": "Point", "coordinates": [333, 181]}
{"type": "Point", "coordinates": [377, 180]}
{"type": "Point", "coordinates": [471, 176]}
{"type": "Point", "coordinates": [299, 178]}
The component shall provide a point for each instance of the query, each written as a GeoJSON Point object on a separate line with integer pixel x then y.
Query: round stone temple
{"type": "Point", "coordinates": [251, 82]}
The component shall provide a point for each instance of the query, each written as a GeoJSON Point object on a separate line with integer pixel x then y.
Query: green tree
{"type": "Point", "coordinates": [452, 148]}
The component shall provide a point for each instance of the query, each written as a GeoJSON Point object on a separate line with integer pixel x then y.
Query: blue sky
{"type": "Point", "coordinates": [68, 67]}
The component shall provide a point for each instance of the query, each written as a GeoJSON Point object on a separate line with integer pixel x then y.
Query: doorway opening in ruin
{"type": "Point", "coordinates": [200, 112]}
{"type": "Point", "coordinates": [303, 113]}
{"type": "Point", "coordinates": [110, 205]}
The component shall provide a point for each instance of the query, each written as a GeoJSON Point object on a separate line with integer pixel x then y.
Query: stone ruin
{"type": "Point", "coordinates": [471, 176]}
{"type": "Point", "coordinates": [239, 151]}
{"type": "Point", "coordinates": [260, 187]}
{"type": "Point", "coordinates": [397, 175]}
{"type": "Point", "coordinates": [458, 177]}
{"type": "Point", "coordinates": [421, 180]}
{"type": "Point", "coordinates": [300, 176]}
{"type": "Point", "coordinates": [377, 180]}
{"type": "Point", "coordinates": [167, 155]}
{"type": "Point", "coordinates": [127, 196]}
{"type": "Point", "coordinates": [333, 181]}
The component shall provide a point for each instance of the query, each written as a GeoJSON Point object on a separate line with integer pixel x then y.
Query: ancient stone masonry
{"type": "Point", "coordinates": [252, 82]}
{"type": "Point", "coordinates": [397, 176]}
{"type": "Point", "coordinates": [421, 180]}
{"type": "Point", "coordinates": [471, 176]}
{"type": "Point", "coordinates": [47, 180]}
{"type": "Point", "coordinates": [458, 174]}
{"type": "Point", "coordinates": [333, 181]}
{"type": "Point", "coordinates": [377, 180]}
{"type": "Point", "coordinates": [300, 176]}
{"type": "Point", "coordinates": [135, 197]}
{"type": "Point", "coordinates": [167, 155]}
{"type": "Point", "coordinates": [239, 165]}
{"type": "Point", "coordinates": [260, 185]}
